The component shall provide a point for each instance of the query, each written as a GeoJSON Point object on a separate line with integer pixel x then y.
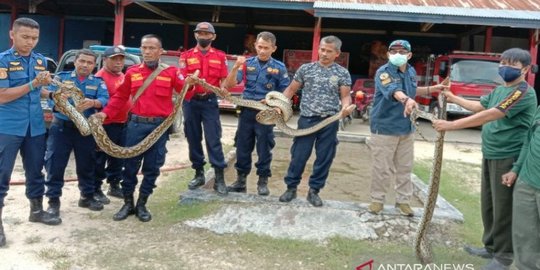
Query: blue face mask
{"type": "Point", "coordinates": [509, 74]}
{"type": "Point", "coordinates": [398, 59]}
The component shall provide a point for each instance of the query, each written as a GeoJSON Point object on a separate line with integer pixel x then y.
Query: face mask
{"type": "Point", "coordinates": [509, 74]}
{"type": "Point", "coordinates": [152, 64]}
{"type": "Point", "coordinates": [398, 59]}
{"type": "Point", "coordinates": [204, 42]}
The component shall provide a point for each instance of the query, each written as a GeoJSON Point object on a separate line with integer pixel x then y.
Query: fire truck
{"type": "Point", "coordinates": [472, 75]}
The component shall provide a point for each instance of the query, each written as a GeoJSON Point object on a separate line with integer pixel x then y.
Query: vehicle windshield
{"type": "Point", "coordinates": [475, 71]}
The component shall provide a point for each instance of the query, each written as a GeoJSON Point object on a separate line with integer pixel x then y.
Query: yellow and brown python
{"type": "Point", "coordinates": [268, 115]}
{"type": "Point", "coordinates": [94, 125]}
{"type": "Point", "coordinates": [422, 246]}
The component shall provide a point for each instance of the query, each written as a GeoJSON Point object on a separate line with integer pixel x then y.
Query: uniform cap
{"type": "Point", "coordinates": [400, 43]}
{"type": "Point", "coordinates": [114, 51]}
{"type": "Point", "coordinates": [205, 27]}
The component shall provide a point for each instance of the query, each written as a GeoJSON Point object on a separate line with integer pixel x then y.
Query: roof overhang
{"type": "Point", "coordinates": [272, 4]}
{"type": "Point", "coordinates": [428, 14]}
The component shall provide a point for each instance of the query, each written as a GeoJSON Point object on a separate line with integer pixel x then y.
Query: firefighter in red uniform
{"type": "Point", "coordinates": [200, 108]}
{"type": "Point", "coordinates": [148, 112]}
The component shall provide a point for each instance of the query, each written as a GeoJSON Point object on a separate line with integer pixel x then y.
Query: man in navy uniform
{"type": "Point", "coordinates": [22, 128]}
{"type": "Point", "coordinates": [261, 74]}
{"type": "Point", "coordinates": [64, 136]}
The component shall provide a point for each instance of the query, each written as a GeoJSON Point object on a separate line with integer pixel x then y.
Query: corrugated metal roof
{"type": "Point", "coordinates": [491, 13]}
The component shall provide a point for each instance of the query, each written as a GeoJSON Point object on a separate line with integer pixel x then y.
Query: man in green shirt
{"type": "Point", "coordinates": [506, 114]}
{"type": "Point", "coordinates": [526, 204]}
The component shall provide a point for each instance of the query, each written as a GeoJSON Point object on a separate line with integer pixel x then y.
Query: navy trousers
{"type": "Point", "coordinates": [325, 141]}
{"type": "Point", "coordinates": [32, 151]}
{"type": "Point", "coordinates": [202, 115]}
{"type": "Point", "coordinates": [107, 166]}
{"type": "Point", "coordinates": [251, 134]}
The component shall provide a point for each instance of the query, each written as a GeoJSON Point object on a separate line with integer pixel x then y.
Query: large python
{"type": "Point", "coordinates": [422, 246]}
{"type": "Point", "coordinates": [94, 125]}
{"type": "Point", "coordinates": [269, 116]}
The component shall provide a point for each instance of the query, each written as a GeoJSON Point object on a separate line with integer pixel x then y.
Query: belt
{"type": "Point", "coordinates": [205, 96]}
{"type": "Point", "coordinates": [142, 119]}
{"type": "Point", "coordinates": [63, 123]}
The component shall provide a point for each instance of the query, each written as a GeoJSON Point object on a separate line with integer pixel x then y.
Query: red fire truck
{"type": "Point", "coordinates": [472, 75]}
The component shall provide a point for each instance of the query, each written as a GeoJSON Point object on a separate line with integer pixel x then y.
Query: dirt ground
{"type": "Point", "coordinates": [28, 243]}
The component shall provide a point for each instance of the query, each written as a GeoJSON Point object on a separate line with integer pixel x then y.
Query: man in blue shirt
{"type": "Point", "coordinates": [392, 133]}
{"type": "Point", "coordinates": [64, 136]}
{"type": "Point", "coordinates": [261, 75]}
{"type": "Point", "coordinates": [22, 128]}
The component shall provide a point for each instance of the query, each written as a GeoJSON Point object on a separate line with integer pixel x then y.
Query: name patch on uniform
{"type": "Point", "coordinates": [161, 78]}
{"type": "Point", "coordinates": [212, 61]}
{"type": "Point", "coordinates": [91, 87]}
{"type": "Point", "coordinates": [136, 77]}
{"type": "Point", "coordinates": [191, 61]}
{"type": "Point", "coordinates": [250, 68]}
{"type": "Point", "coordinates": [15, 66]}
{"type": "Point", "coordinates": [385, 78]}
{"type": "Point", "coordinates": [40, 68]}
{"type": "Point", "coordinates": [3, 73]}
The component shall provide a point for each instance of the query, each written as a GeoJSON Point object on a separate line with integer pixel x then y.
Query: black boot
{"type": "Point", "coordinates": [127, 209]}
{"type": "Point", "coordinates": [2, 235]}
{"type": "Point", "coordinates": [115, 190]}
{"type": "Point", "coordinates": [99, 196]}
{"type": "Point", "coordinates": [140, 209]}
{"type": "Point", "coordinates": [288, 195]}
{"type": "Point", "coordinates": [198, 180]}
{"type": "Point", "coordinates": [38, 215]}
{"type": "Point", "coordinates": [313, 197]}
{"type": "Point", "coordinates": [90, 202]}
{"type": "Point", "coordinates": [54, 208]}
{"type": "Point", "coordinates": [239, 185]}
{"type": "Point", "coordinates": [219, 182]}
{"type": "Point", "coordinates": [262, 186]}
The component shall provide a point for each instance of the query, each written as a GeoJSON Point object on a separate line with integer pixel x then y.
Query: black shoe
{"type": "Point", "coordinates": [91, 203]}
{"type": "Point", "coordinates": [288, 196]}
{"type": "Point", "coordinates": [479, 251]}
{"type": "Point", "coordinates": [115, 191]}
{"type": "Point", "coordinates": [219, 182]}
{"type": "Point", "coordinates": [239, 185]}
{"type": "Point", "coordinates": [262, 186]}
{"type": "Point", "coordinates": [127, 209]}
{"type": "Point", "coordinates": [197, 181]}
{"type": "Point", "coordinates": [140, 209]}
{"type": "Point", "coordinates": [54, 207]}
{"type": "Point", "coordinates": [313, 198]}
{"type": "Point", "coordinates": [38, 215]}
{"type": "Point", "coordinates": [99, 196]}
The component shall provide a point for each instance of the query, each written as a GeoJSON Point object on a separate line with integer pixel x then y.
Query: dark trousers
{"type": "Point", "coordinates": [32, 151]}
{"type": "Point", "coordinates": [107, 166]}
{"type": "Point", "coordinates": [151, 160]}
{"type": "Point", "coordinates": [63, 138]}
{"type": "Point", "coordinates": [526, 225]}
{"type": "Point", "coordinates": [252, 134]}
{"type": "Point", "coordinates": [202, 115]}
{"type": "Point", "coordinates": [325, 141]}
{"type": "Point", "coordinates": [496, 208]}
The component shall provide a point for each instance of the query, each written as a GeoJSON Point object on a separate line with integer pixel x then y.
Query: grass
{"type": "Point", "coordinates": [165, 243]}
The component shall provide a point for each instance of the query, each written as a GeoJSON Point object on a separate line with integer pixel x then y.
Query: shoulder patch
{"type": "Point", "coordinates": [385, 78]}
{"type": "Point", "coordinates": [3, 73]}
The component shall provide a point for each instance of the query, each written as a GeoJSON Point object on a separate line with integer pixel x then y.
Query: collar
{"type": "Point", "coordinates": [16, 54]}
{"type": "Point", "coordinates": [196, 50]}
{"type": "Point", "coordinates": [74, 75]}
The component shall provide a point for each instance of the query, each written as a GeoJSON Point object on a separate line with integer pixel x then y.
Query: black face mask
{"type": "Point", "coordinates": [204, 42]}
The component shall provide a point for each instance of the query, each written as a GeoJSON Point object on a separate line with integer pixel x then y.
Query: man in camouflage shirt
{"type": "Point", "coordinates": [325, 91]}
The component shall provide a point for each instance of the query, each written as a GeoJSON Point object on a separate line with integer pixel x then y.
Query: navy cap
{"type": "Point", "coordinates": [205, 27]}
{"type": "Point", "coordinates": [400, 43]}
{"type": "Point", "coordinates": [114, 51]}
